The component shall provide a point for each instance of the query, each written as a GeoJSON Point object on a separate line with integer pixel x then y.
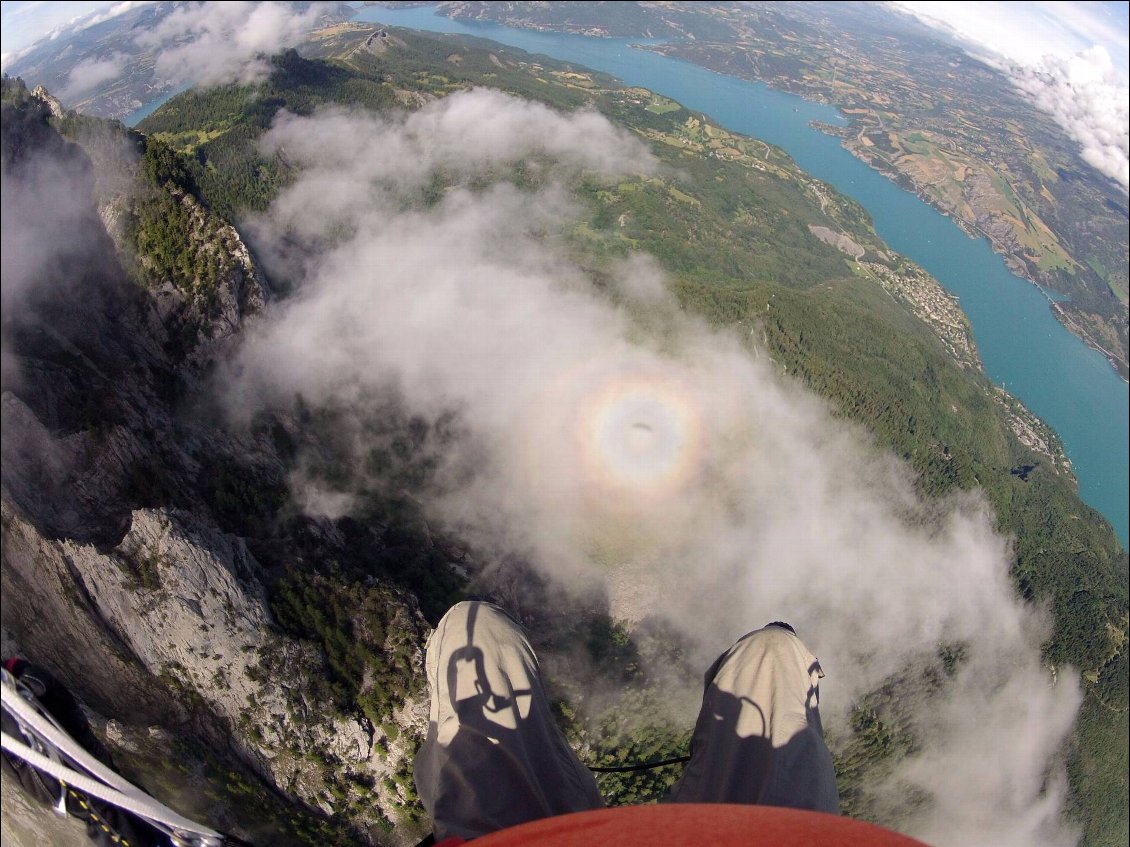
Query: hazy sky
{"type": "Point", "coordinates": [1070, 59]}
{"type": "Point", "coordinates": [24, 23]}
{"type": "Point", "coordinates": [1026, 32]}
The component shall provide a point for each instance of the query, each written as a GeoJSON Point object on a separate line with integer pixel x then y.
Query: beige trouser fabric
{"type": "Point", "coordinates": [494, 758]}
{"type": "Point", "coordinates": [758, 738]}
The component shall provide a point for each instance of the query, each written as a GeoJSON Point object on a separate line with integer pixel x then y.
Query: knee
{"type": "Point", "coordinates": [460, 610]}
{"type": "Point", "coordinates": [775, 636]}
{"type": "Point", "coordinates": [771, 636]}
{"type": "Point", "coordinates": [454, 621]}
{"type": "Point", "coordinates": [777, 642]}
{"type": "Point", "coordinates": [469, 609]}
{"type": "Point", "coordinates": [470, 618]}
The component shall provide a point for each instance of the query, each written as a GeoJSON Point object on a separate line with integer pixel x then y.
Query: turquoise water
{"type": "Point", "coordinates": [1025, 349]}
{"type": "Point", "coordinates": [152, 106]}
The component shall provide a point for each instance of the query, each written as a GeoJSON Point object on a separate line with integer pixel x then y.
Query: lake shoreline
{"type": "Point", "coordinates": [1025, 348]}
{"type": "Point", "coordinates": [907, 183]}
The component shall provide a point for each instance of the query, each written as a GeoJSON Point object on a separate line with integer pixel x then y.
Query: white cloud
{"type": "Point", "coordinates": [88, 74]}
{"type": "Point", "coordinates": [1085, 97]}
{"type": "Point", "coordinates": [111, 13]}
{"type": "Point", "coordinates": [1024, 33]}
{"type": "Point", "coordinates": [210, 43]}
{"type": "Point", "coordinates": [588, 444]}
{"type": "Point", "coordinates": [1060, 55]}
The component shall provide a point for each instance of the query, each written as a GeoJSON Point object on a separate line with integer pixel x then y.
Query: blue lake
{"type": "Point", "coordinates": [1025, 349]}
{"type": "Point", "coordinates": [152, 106]}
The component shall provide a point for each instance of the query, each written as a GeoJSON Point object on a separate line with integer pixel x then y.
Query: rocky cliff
{"type": "Point", "coordinates": [129, 505]}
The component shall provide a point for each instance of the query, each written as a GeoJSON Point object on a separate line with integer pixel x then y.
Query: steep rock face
{"type": "Point", "coordinates": [117, 478]}
{"type": "Point", "coordinates": [40, 93]}
{"type": "Point", "coordinates": [56, 622]}
{"type": "Point", "coordinates": [178, 606]}
{"type": "Point", "coordinates": [82, 383]}
{"type": "Point", "coordinates": [74, 484]}
{"type": "Point", "coordinates": [237, 293]}
{"type": "Point", "coordinates": [186, 600]}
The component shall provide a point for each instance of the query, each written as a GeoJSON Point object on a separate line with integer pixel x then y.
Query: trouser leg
{"type": "Point", "coordinates": [493, 756]}
{"type": "Point", "coordinates": [758, 738]}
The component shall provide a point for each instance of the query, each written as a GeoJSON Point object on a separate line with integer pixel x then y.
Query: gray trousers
{"type": "Point", "coordinates": [494, 757]}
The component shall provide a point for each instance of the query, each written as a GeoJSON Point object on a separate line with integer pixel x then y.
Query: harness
{"type": "Point", "coordinates": [47, 747]}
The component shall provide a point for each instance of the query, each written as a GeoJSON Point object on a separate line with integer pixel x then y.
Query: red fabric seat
{"type": "Point", "coordinates": [687, 824]}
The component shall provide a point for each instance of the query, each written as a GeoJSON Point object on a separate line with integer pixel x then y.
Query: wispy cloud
{"type": "Point", "coordinates": [53, 245]}
{"type": "Point", "coordinates": [1084, 95]}
{"type": "Point", "coordinates": [209, 43]}
{"type": "Point", "coordinates": [1069, 58]}
{"type": "Point", "coordinates": [89, 74]}
{"type": "Point", "coordinates": [587, 444]}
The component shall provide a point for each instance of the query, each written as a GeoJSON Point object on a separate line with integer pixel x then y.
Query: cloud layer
{"type": "Point", "coordinates": [1059, 54]}
{"type": "Point", "coordinates": [1087, 97]}
{"type": "Point", "coordinates": [591, 444]}
{"type": "Point", "coordinates": [212, 43]}
{"type": "Point", "coordinates": [89, 74]}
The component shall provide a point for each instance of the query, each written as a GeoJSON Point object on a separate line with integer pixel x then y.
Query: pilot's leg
{"type": "Point", "coordinates": [493, 756]}
{"type": "Point", "coordinates": [758, 737]}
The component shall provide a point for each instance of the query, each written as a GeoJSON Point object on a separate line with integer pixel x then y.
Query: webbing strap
{"type": "Point", "coordinates": [645, 766]}
{"type": "Point", "coordinates": [142, 806]}
{"type": "Point", "coordinates": [102, 783]}
{"type": "Point", "coordinates": [29, 717]}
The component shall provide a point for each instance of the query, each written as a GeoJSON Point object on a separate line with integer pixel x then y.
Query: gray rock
{"type": "Point", "coordinates": [53, 103]}
{"type": "Point", "coordinates": [839, 240]}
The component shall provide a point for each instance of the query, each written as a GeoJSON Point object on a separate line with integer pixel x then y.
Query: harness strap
{"type": "Point", "coordinates": [646, 766]}
{"type": "Point", "coordinates": [101, 783]}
